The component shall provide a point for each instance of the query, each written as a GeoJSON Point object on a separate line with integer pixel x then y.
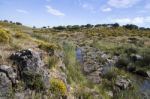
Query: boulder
{"type": "Point", "coordinates": [143, 73]}
{"type": "Point", "coordinates": [135, 57]}
{"type": "Point", "coordinates": [123, 83]}
{"type": "Point", "coordinates": [27, 59]}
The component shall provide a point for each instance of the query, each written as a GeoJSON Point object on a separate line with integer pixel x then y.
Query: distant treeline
{"type": "Point", "coordinates": [115, 25]}
{"type": "Point", "coordinates": [76, 27]}
{"type": "Point", "coordinates": [6, 21]}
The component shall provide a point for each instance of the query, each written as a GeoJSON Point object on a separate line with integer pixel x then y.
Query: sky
{"type": "Point", "coordinates": [76, 12]}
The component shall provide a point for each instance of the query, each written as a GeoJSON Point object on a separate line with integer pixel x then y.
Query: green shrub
{"type": "Point", "coordinates": [131, 50]}
{"type": "Point", "coordinates": [5, 36]}
{"type": "Point", "coordinates": [47, 46]}
{"type": "Point", "coordinates": [58, 87]}
{"type": "Point", "coordinates": [146, 58]}
{"type": "Point", "coordinates": [111, 74]}
{"type": "Point", "coordinates": [122, 62]}
{"type": "Point", "coordinates": [33, 80]}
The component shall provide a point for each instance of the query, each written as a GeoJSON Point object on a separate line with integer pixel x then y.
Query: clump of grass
{"type": "Point", "coordinates": [5, 36]}
{"type": "Point", "coordinates": [21, 35]}
{"type": "Point", "coordinates": [52, 61]}
{"type": "Point", "coordinates": [58, 87]}
{"type": "Point", "coordinates": [83, 92]}
{"type": "Point", "coordinates": [73, 69]}
{"type": "Point", "coordinates": [63, 35]}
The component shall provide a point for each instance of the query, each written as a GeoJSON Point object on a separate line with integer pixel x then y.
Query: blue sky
{"type": "Point", "coordinates": [65, 12]}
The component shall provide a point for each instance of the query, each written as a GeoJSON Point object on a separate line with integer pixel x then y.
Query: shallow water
{"type": "Point", "coordinates": [79, 55]}
{"type": "Point", "coordinates": [142, 84]}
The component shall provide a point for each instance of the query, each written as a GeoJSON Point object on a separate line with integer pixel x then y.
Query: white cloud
{"type": "Point", "coordinates": [106, 9]}
{"type": "Point", "coordinates": [135, 20]}
{"type": "Point", "coordinates": [54, 11]}
{"type": "Point", "coordinates": [122, 3]}
{"type": "Point", "coordinates": [22, 11]}
{"type": "Point", "coordinates": [87, 6]}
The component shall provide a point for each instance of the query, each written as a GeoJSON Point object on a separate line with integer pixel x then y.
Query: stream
{"type": "Point", "coordinates": [142, 84]}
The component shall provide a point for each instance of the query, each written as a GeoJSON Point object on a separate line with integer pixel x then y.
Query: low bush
{"type": "Point", "coordinates": [122, 62]}
{"type": "Point", "coordinates": [5, 36]}
{"type": "Point", "coordinates": [146, 58]}
{"type": "Point", "coordinates": [58, 87]}
{"type": "Point", "coordinates": [83, 92]}
{"type": "Point", "coordinates": [47, 46]}
{"type": "Point", "coordinates": [131, 50]}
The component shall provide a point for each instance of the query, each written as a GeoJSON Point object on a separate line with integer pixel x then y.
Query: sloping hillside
{"type": "Point", "coordinates": [74, 62]}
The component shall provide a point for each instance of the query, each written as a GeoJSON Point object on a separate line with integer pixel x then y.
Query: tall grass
{"type": "Point", "coordinates": [73, 69]}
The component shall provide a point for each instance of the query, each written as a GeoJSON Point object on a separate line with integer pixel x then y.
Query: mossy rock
{"type": "Point", "coordinates": [33, 80]}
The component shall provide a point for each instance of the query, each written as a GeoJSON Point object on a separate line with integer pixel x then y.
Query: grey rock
{"type": "Point", "coordinates": [110, 93]}
{"type": "Point", "coordinates": [90, 67]}
{"type": "Point", "coordinates": [95, 77]}
{"type": "Point", "coordinates": [9, 72]}
{"type": "Point", "coordinates": [123, 83]}
{"type": "Point", "coordinates": [27, 59]}
{"type": "Point", "coordinates": [135, 57]}
{"type": "Point", "coordinates": [5, 86]}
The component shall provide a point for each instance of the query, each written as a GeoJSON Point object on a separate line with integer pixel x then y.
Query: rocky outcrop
{"type": "Point", "coordinates": [28, 76]}
{"type": "Point", "coordinates": [95, 63]}
{"type": "Point", "coordinates": [29, 66]}
{"type": "Point", "coordinates": [27, 59]}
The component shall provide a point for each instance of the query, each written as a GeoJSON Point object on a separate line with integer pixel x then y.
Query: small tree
{"type": "Point", "coordinates": [88, 26]}
{"type": "Point", "coordinates": [130, 26]}
{"type": "Point", "coordinates": [18, 23]}
{"type": "Point", "coordinates": [115, 25]}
